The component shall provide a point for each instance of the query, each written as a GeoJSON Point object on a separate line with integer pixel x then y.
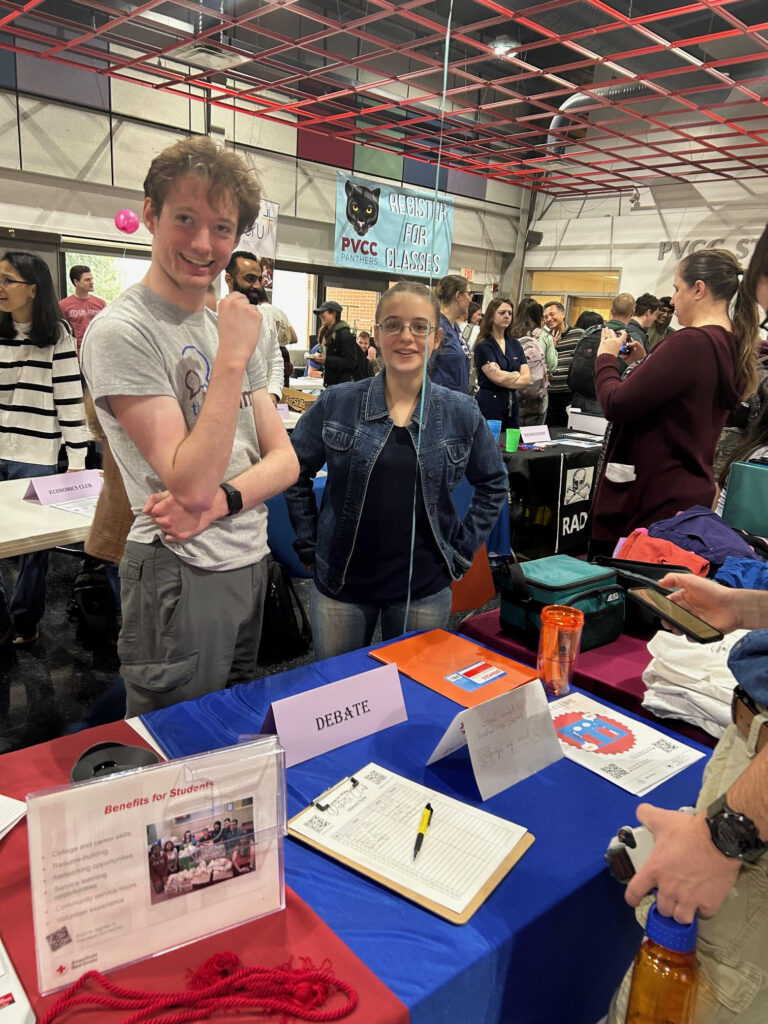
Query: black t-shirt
{"type": "Point", "coordinates": [378, 569]}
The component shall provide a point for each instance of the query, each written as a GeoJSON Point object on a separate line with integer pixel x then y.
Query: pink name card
{"type": "Point", "coordinates": [331, 716]}
{"type": "Point", "coordinates": [530, 435]}
{"type": "Point", "coordinates": [283, 411]}
{"type": "Point", "coordinates": [51, 490]}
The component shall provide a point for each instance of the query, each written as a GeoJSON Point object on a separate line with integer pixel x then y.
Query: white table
{"type": "Point", "coordinates": [29, 526]}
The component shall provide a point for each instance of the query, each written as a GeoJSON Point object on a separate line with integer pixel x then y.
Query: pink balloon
{"type": "Point", "coordinates": [126, 221]}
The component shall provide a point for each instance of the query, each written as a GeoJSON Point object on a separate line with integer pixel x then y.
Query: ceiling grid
{"type": "Point", "coordinates": [566, 97]}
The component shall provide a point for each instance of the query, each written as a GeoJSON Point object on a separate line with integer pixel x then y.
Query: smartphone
{"type": "Point", "coordinates": [694, 627]}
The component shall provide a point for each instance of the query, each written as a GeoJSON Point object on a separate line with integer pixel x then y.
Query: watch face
{"type": "Point", "coordinates": [733, 836]}
{"type": "Point", "coordinates": [234, 499]}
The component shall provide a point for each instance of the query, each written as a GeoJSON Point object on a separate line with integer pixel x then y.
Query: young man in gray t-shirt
{"type": "Point", "coordinates": [181, 396]}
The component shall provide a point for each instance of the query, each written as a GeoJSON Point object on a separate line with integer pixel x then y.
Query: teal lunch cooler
{"type": "Point", "coordinates": [561, 579]}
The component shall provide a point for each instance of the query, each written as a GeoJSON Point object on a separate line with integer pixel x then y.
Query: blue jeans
{"type": "Point", "coordinates": [339, 627]}
{"type": "Point", "coordinates": [28, 598]}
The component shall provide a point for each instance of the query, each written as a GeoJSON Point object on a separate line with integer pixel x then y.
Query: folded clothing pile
{"type": "Point", "coordinates": [691, 681]}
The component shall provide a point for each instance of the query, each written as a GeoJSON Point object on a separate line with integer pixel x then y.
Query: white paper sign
{"type": "Point", "coordinates": [634, 756]}
{"type": "Point", "coordinates": [315, 721]}
{"type": "Point", "coordinates": [509, 737]}
{"type": "Point", "coordinates": [532, 435]}
{"type": "Point", "coordinates": [128, 865]}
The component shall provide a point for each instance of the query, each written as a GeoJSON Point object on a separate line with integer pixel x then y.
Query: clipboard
{"type": "Point", "coordinates": [359, 795]}
{"type": "Point", "coordinates": [455, 666]}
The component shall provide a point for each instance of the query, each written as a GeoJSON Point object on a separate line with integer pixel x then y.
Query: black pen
{"type": "Point", "coordinates": [426, 818]}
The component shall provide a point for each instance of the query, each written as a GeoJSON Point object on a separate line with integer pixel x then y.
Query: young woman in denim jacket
{"type": "Point", "coordinates": [381, 447]}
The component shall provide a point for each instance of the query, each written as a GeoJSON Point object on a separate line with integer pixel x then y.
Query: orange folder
{"type": "Point", "coordinates": [452, 665]}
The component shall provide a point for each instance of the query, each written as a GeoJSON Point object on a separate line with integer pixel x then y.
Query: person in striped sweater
{"type": "Point", "coordinates": [41, 405]}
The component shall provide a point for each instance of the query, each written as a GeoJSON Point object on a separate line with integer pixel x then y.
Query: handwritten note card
{"type": "Point", "coordinates": [509, 738]}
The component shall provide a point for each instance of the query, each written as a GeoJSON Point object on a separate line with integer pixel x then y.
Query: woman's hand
{"type": "Point", "coordinates": [611, 343]}
{"type": "Point", "coordinates": [502, 378]}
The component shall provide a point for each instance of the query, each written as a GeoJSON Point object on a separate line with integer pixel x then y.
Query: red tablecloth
{"type": "Point", "coordinates": [613, 672]}
{"type": "Point", "coordinates": [268, 942]}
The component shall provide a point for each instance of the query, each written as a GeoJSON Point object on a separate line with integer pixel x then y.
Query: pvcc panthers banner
{"type": "Point", "coordinates": [391, 230]}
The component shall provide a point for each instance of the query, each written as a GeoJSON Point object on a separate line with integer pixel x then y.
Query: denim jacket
{"type": "Point", "coordinates": [449, 365]}
{"type": "Point", "coordinates": [347, 427]}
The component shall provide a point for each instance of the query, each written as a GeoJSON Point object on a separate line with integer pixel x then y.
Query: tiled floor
{"type": "Point", "coordinates": [66, 681]}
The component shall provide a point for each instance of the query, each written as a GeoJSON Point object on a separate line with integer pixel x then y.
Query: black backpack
{"type": "Point", "coordinates": [285, 631]}
{"type": "Point", "coordinates": [92, 605]}
{"type": "Point", "coordinates": [581, 375]}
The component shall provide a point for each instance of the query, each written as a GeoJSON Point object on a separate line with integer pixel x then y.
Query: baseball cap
{"type": "Point", "coordinates": [334, 307]}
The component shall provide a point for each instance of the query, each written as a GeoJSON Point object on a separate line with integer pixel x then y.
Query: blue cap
{"type": "Point", "coordinates": [667, 932]}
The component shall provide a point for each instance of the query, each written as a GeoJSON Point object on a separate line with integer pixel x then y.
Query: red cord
{"type": "Point", "coordinates": [220, 984]}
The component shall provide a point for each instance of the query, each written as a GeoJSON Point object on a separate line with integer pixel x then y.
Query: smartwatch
{"type": "Point", "coordinates": [234, 499]}
{"type": "Point", "coordinates": [734, 834]}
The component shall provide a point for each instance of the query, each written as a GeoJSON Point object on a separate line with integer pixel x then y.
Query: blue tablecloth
{"type": "Point", "coordinates": [281, 535]}
{"type": "Point", "coordinates": [547, 947]}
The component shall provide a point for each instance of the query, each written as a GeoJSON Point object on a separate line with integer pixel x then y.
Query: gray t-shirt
{"type": "Point", "coordinates": [141, 344]}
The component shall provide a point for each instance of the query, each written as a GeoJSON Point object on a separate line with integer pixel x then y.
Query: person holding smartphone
{"type": "Point", "coordinates": [666, 416]}
{"type": "Point", "coordinates": [714, 863]}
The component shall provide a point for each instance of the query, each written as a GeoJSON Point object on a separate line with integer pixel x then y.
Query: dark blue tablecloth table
{"type": "Point", "coordinates": [551, 942]}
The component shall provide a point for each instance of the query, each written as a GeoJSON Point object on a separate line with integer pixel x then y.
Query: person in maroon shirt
{"type": "Point", "coordinates": [82, 307]}
{"type": "Point", "coordinates": [667, 414]}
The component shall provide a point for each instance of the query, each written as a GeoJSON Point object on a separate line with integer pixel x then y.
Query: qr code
{"type": "Point", "coordinates": [58, 939]}
{"type": "Point", "coordinates": [667, 746]}
{"type": "Point", "coordinates": [377, 778]}
{"type": "Point", "coordinates": [317, 823]}
{"type": "Point", "coordinates": [615, 771]}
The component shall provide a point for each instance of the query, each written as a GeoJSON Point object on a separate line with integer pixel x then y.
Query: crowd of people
{"type": "Point", "coordinates": [185, 397]}
{"type": "Point", "coordinates": [203, 845]}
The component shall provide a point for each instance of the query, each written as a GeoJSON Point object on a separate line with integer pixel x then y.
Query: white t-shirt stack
{"type": "Point", "coordinates": [691, 681]}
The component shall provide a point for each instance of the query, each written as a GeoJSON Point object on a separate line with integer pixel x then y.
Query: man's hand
{"type": "Point", "coordinates": [239, 328]}
{"type": "Point", "coordinates": [710, 601]}
{"type": "Point", "coordinates": [177, 522]}
{"type": "Point", "coordinates": [688, 870]}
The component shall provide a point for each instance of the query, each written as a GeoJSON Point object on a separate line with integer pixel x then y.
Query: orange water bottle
{"type": "Point", "coordinates": [559, 644]}
{"type": "Point", "coordinates": [666, 974]}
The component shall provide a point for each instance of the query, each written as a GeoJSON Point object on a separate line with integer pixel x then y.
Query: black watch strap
{"type": "Point", "coordinates": [734, 833]}
{"type": "Point", "coordinates": [234, 499]}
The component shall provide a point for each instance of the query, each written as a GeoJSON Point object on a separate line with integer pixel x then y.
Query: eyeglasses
{"type": "Point", "coordinates": [763, 325]}
{"type": "Point", "coordinates": [418, 328]}
{"type": "Point", "coordinates": [5, 281]}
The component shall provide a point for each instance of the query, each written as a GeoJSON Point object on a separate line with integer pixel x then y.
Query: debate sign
{"type": "Point", "coordinates": [391, 230]}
